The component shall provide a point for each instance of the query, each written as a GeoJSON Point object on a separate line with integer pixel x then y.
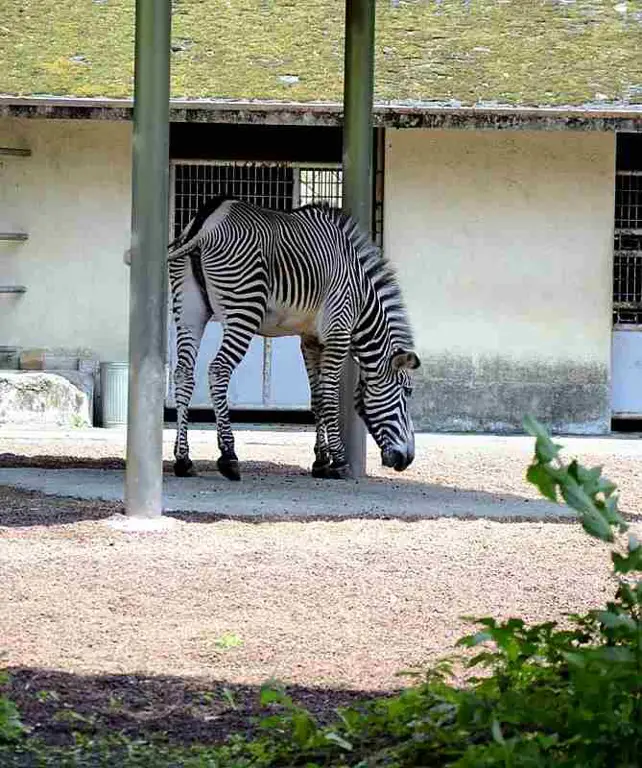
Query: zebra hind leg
{"type": "Point", "coordinates": [190, 316]}
{"type": "Point", "coordinates": [183, 388]}
{"type": "Point", "coordinates": [236, 340]}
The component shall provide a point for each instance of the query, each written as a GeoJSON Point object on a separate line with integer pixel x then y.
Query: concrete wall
{"type": "Point", "coordinates": [504, 243]}
{"type": "Point", "coordinates": [73, 198]}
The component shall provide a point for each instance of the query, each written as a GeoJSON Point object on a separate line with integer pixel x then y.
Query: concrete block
{"type": "Point", "coordinates": [41, 399]}
{"type": "Point", "coordinates": [568, 397]}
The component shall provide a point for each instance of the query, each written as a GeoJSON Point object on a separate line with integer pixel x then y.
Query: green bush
{"type": "Point", "coordinates": [11, 729]}
{"type": "Point", "coordinates": [549, 696]}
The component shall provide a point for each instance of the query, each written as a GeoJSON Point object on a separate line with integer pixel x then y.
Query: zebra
{"type": "Point", "coordinates": [310, 272]}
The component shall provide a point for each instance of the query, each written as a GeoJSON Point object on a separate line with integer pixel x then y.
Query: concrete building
{"type": "Point", "coordinates": [502, 221]}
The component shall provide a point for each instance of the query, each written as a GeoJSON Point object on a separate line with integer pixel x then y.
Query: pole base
{"type": "Point", "coordinates": [134, 524]}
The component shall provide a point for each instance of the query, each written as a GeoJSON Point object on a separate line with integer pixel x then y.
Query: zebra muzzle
{"type": "Point", "coordinates": [397, 460]}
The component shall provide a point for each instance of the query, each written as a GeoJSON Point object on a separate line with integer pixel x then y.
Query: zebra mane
{"type": "Point", "coordinates": [378, 270]}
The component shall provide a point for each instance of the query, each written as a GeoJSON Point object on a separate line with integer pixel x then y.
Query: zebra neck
{"type": "Point", "coordinates": [372, 337]}
{"type": "Point", "coordinates": [382, 327]}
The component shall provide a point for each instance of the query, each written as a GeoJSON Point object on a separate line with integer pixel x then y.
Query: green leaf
{"type": "Point", "coordinates": [11, 727]}
{"type": "Point", "coordinates": [612, 514]}
{"type": "Point", "coordinates": [534, 428]}
{"type": "Point", "coordinates": [270, 695]}
{"type": "Point", "coordinates": [470, 641]}
{"type": "Point", "coordinates": [228, 641]}
{"type": "Point", "coordinates": [575, 659]}
{"type": "Point", "coordinates": [617, 620]}
{"type": "Point", "coordinates": [350, 718]}
{"type": "Point", "coordinates": [593, 521]}
{"type": "Point", "coordinates": [538, 475]}
{"type": "Point", "coordinates": [595, 525]}
{"type": "Point", "coordinates": [304, 727]}
{"type": "Point", "coordinates": [484, 659]}
{"type": "Point", "coordinates": [626, 593]}
{"type": "Point", "coordinates": [606, 487]}
{"type": "Point", "coordinates": [575, 496]}
{"type": "Point", "coordinates": [545, 449]}
{"type": "Point", "coordinates": [497, 732]}
{"type": "Point", "coordinates": [339, 741]}
{"type": "Point", "coordinates": [616, 653]}
{"type": "Point", "coordinates": [627, 563]}
{"type": "Point", "coordinates": [574, 470]}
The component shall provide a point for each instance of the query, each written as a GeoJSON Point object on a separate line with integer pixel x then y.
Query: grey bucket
{"type": "Point", "coordinates": [114, 387]}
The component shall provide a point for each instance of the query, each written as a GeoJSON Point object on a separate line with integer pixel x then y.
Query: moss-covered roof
{"type": "Point", "coordinates": [512, 52]}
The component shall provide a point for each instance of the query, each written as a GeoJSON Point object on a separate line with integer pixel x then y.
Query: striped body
{"type": "Point", "coordinates": [309, 273]}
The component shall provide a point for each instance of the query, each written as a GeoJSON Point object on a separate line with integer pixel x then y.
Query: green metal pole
{"type": "Point", "coordinates": [357, 179]}
{"type": "Point", "coordinates": [148, 281]}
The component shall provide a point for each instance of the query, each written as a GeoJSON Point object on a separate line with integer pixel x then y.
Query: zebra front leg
{"type": "Point", "coordinates": [333, 357]}
{"type": "Point", "coordinates": [311, 350]}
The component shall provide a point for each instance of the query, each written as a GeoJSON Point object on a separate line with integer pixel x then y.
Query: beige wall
{"type": "Point", "coordinates": [504, 240]}
{"type": "Point", "coordinates": [73, 198]}
{"type": "Point", "coordinates": [504, 243]}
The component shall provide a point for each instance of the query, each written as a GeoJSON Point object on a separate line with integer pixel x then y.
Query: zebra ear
{"type": "Point", "coordinates": [403, 359]}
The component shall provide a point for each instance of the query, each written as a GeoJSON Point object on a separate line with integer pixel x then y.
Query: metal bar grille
{"type": "Point", "coordinates": [281, 186]}
{"type": "Point", "coordinates": [379, 176]}
{"type": "Point", "coordinates": [267, 185]}
{"type": "Point", "coordinates": [627, 261]}
{"type": "Point", "coordinates": [320, 185]}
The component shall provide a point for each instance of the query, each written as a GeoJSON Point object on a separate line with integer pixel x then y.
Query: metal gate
{"type": "Point", "coordinates": [272, 375]}
{"type": "Point", "coordinates": [626, 399]}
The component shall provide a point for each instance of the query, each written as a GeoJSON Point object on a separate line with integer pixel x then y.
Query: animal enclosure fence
{"type": "Point", "coordinates": [627, 256]}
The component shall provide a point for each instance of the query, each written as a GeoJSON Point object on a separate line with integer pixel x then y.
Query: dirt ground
{"type": "Point", "coordinates": [174, 631]}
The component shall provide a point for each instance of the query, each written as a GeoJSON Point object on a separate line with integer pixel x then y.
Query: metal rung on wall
{"type": "Point", "coordinates": [15, 152]}
{"type": "Point", "coordinates": [14, 237]}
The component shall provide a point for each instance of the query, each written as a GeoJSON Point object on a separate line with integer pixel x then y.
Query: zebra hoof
{"type": "Point", "coordinates": [229, 468]}
{"type": "Point", "coordinates": [340, 471]}
{"type": "Point", "coordinates": [320, 469]}
{"type": "Point", "coordinates": [184, 468]}
{"type": "Point", "coordinates": [334, 472]}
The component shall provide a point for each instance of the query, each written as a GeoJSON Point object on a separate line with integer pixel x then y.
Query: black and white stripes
{"type": "Point", "coordinates": [311, 273]}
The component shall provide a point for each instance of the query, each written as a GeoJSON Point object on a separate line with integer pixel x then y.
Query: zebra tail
{"type": "Point", "coordinates": [176, 251]}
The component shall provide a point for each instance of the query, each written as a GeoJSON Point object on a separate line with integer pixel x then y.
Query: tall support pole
{"type": "Point", "coordinates": [148, 282]}
{"type": "Point", "coordinates": [357, 179]}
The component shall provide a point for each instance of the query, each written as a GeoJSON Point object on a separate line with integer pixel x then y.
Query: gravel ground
{"type": "Point", "coordinates": [150, 620]}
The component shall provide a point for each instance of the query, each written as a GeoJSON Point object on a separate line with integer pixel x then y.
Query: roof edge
{"type": "Point", "coordinates": [600, 117]}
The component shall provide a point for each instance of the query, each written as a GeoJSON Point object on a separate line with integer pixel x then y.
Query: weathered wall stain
{"type": "Point", "coordinates": [493, 394]}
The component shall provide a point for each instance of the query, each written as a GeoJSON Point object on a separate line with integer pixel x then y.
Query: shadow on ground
{"type": "Point", "coordinates": [22, 507]}
{"type": "Point", "coordinates": [44, 461]}
{"type": "Point", "coordinates": [185, 711]}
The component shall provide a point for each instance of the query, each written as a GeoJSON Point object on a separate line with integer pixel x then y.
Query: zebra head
{"type": "Point", "coordinates": [382, 402]}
